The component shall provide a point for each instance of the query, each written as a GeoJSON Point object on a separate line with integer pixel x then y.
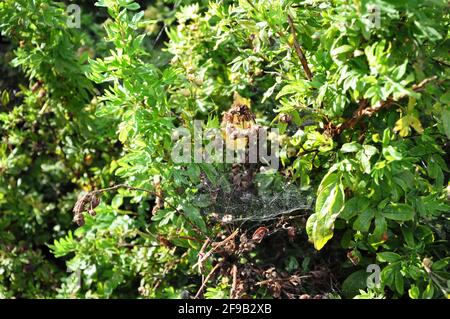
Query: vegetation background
{"type": "Point", "coordinates": [358, 90]}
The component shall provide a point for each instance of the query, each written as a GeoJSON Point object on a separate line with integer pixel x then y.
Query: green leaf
{"type": "Point", "coordinates": [103, 3]}
{"type": "Point", "coordinates": [363, 221]}
{"type": "Point", "coordinates": [132, 6]}
{"type": "Point", "coordinates": [408, 236]}
{"type": "Point", "coordinates": [137, 17]}
{"type": "Point", "coordinates": [330, 201]}
{"type": "Point", "coordinates": [193, 214]}
{"type": "Point", "coordinates": [414, 292]}
{"type": "Point", "coordinates": [364, 157]}
{"type": "Point", "coordinates": [370, 150]}
{"type": "Point", "coordinates": [400, 70]}
{"type": "Point", "coordinates": [428, 293]}
{"type": "Point", "coordinates": [5, 98]}
{"type": "Point", "coordinates": [350, 147]}
{"type": "Point", "coordinates": [415, 272]}
{"type": "Point", "coordinates": [355, 282]}
{"type": "Point", "coordinates": [354, 206]}
{"type": "Point", "coordinates": [399, 212]}
{"type": "Point", "coordinates": [388, 274]}
{"type": "Point", "coordinates": [342, 49]}
{"type": "Point", "coordinates": [445, 98]}
{"type": "Point", "coordinates": [377, 236]}
{"type": "Point", "coordinates": [117, 201]}
{"type": "Point", "coordinates": [446, 122]}
{"type": "Point", "coordinates": [391, 154]}
{"type": "Point", "coordinates": [64, 245]}
{"type": "Point", "coordinates": [441, 264]}
{"type": "Point", "coordinates": [365, 162]}
{"type": "Point", "coordinates": [386, 138]}
{"type": "Point", "coordinates": [388, 256]}
{"type": "Point", "coordinates": [399, 283]}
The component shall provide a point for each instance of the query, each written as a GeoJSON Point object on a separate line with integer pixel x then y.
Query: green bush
{"type": "Point", "coordinates": [358, 92]}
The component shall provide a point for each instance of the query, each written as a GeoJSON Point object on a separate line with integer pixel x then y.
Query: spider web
{"type": "Point", "coordinates": [228, 205]}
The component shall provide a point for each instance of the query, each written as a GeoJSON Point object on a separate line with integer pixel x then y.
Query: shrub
{"type": "Point", "coordinates": [358, 92]}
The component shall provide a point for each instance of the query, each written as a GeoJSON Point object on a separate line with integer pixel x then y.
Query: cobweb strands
{"type": "Point", "coordinates": [227, 204]}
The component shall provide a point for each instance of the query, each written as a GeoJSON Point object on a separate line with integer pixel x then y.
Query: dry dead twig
{"type": "Point", "coordinates": [234, 284]}
{"type": "Point", "coordinates": [216, 246]}
{"type": "Point", "coordinates": [206, 280]}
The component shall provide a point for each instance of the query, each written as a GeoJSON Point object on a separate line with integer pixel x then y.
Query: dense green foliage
{"type": "Point", "coordinates": [360, 98]}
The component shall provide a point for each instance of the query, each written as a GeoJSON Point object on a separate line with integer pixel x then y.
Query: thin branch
{"type": "Point", "coordinates": [215, 247]}
{"type": "Point", "coordinates": [252, 5]}
{"type": "Point", "coordinates": [89, 198]}
{"type": "Point", "coordinates": [423, 83]}
{"type": "Point", "coordinates": [296, 45]}
{"type": "Point", "coordinates": [201, 254]}
{"type": "Point", "coordinates": [299, 50]}
{"type": "Point", "coordinates": [364, 110]}
{"type": "Point", "coordinates": [306, 152]}
{"type": "Point", "coordinates": [234, 284]}
{"type": "Point", "coordinates": [206, 280]}
{"type": "Point", "coordinates": [267, 281]}
{"type": "Point", "coordinates": [440, 62]}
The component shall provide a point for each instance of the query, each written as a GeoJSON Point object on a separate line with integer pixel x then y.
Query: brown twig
{"type": "Point", "coordinates": [252, 5]}
{"type": "Point", "coordinates": [306, 152]}
{"type": "Point", "coordinates": [440, 62]}
{"type": "Point", "coordinates": [296, 45]}
{"type": "Point", "coordinates": [267, 281]}
{"type": "Point", "coordinates": [201, 254]}
{"type": "Point", "coordinates": [364, 110]}
{"type": "Point", "coordinates": [206, 280]}
{"type": "Point", "coordinates": [298, 50]}
{"type": "Point", "coordinates": [85, 203]}
{"type": "Point", "coordinates": [234, 284]}
{"type": "Point", "coordinates": [215, 247]}
{"type": "Point", "coordinates": [186, 237]}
